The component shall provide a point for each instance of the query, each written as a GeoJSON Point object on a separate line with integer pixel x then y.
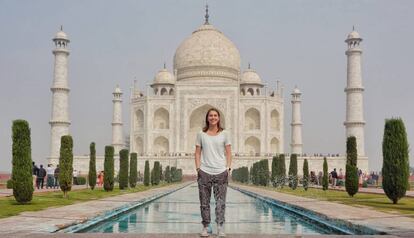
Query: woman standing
{"type": "Point", "coordinates": [213, 165]}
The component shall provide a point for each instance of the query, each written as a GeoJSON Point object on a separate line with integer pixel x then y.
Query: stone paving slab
{"type": "Point", "coordinates": [53, 219]}
{"type": "Point", "coordinates": [393, 224]}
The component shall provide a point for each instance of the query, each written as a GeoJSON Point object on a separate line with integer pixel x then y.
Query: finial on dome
{"type": "Point", "coordinates": [61, 27]}
{"type": "Point", "coordinates": [165, 66]}
{"type": "Point", "coordinates": [206, 16]}
{"type": "Point", "coordinates": [248, 66]}
{"type": "Point", "coordinates": [353, 27]}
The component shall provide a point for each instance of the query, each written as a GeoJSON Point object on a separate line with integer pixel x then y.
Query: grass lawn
{"type": "Point", "coordinates": [9, 207]}
{"type": "Point", "coordinates": [375, 201]}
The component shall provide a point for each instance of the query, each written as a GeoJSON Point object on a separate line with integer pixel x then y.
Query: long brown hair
{"type": "Point", "coordinates": [205, 128]}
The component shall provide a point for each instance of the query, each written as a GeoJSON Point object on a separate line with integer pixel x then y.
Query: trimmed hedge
{"type": "Point", "coordinates": [79, 181]}
{"type": "Point", "coordinates": [133, 168]}
{"type": "Point", "coordinates": [240, 175]}
{"type": "Point", "coordinates": [351, 173]}
{"type": "Point", "coordinates": [325, 181]}
{"type": "Point", "coordinates": [260, 173]}
{"type": "Point", "coordinates": [123, 168]}
{"type": "Point", "coordinates": [395, 165]}
{"type": "Point", "coordinates": [22, 162]}
{"type": "Point", "coordinates": [92, 166]}
{"type": "Point", "coordinates": [9, 184]}
{"type": "Point", "coordinates": [176, 174]}
{"type": "Point", "coordinates": [293, 171]}
{"type": "Point", "coordinates": [66, 164]}
{"type": "Point", "coordinates": [109, 168]}
{"type": "Point", "coordinates": [147, 174]}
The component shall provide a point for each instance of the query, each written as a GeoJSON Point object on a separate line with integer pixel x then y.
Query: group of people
{"type": "Point", "coordinates": [50, 176]}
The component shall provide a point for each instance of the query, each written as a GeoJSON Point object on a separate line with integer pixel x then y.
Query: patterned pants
{"type": "Point", "coordinates": [219, 184]}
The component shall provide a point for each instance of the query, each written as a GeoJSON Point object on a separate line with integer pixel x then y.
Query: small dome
{"type": "Point", "coordinates": [164, 77]}
{"type": "Point", "coordinates": [296, 91]}
{"type": "Point", "coordinates": [250, 77]}
{"type": "Point", "coordinates": [61, 36]}
{"type": "Point", "coordinates": [354, 35]}
{"type": "Point", "coordinates": [117, 89]}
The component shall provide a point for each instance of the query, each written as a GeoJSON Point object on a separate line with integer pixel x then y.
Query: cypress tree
{"type": "Point", "coordinates": [92, 166]}
{"type": "Point", "coordinates": [156, 171]}
{"type": "Point", "coordinates": [305, 175]}
{"type": "Point", "coordinates": [351, 173]}
{"type": "Point", "coordinates": [22, 180]}
{"type": "Point", "coordinates": [133, 170]}
{"type": "Point", "coordinates": [109, 168]}
{"type": "Point", "coordinates": [395, 166]}
{"type": "Point", "coordinates": [281, 171]}
{"type": "Point", "coordinates": [293, 171]}
{"type": "Point", "coordinates": [161, 173]}
{"type": "Point", "coordinates": [66, 164]}
{"type": "Point", "coordinates": [147, 174]}
{"type": "Point", "coordinates": [167, 174]}
{"type": "Point", "coordinates": [123, 168]}
{"type": "Point", "coordinates": [325, 182]}
{"type": "Point", "coordinates": [274, 171]}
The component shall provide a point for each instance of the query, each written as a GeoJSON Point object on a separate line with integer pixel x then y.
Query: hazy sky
{"type": "Point", "coordinates": [298, 42]}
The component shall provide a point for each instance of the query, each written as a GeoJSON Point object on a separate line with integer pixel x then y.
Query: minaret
{"type": "Point", "coordinates": [117, 137]}
{"type": "Point", "coordinates": [354, 123]}
{"type": "Point", "coordinates": [296, 144]}
{"type": "Point", "coordinates": [60, 94]}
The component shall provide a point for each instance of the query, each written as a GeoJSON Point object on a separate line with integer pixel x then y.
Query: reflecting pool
{"type": "Point", "coordinates": [179, 212]}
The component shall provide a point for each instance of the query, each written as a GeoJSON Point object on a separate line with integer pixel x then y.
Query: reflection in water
{"type": "Point", "coordinates": [179, 212]}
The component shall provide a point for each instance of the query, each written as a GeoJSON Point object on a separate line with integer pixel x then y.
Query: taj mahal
{"type": "Point", "coordinates": [166, 116]}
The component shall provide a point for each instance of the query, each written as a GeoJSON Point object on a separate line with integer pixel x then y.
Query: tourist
{"type": "Point", "coordinates": [56, 175]}
{"type": "Point", "coordinates": [50, 171]}
{"type": "Point", "coordinates": [100, 178]}
{"type": "Point", "coordinates": [35, 171]}
{"type": "Point", "coordinates": [334, 177]}
{"type": "Point", "coordinates": [213, 165]}
{"type": "Point", "coordinates": [40, 177]}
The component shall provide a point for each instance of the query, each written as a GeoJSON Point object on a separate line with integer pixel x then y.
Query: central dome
{"type": "Point", "coordinates": [207, 53]}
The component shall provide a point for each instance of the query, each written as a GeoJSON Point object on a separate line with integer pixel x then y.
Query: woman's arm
{"type": "Point", "coordinates": [228, 156]}
{"type": "Point", "coordinates": [197, 157]}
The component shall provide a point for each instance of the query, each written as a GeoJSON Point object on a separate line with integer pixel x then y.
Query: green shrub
{"type": "Point", "coordinates": [240, 175]}
{"type": "Point", "coordinates": [325, 181]}
{"type": "Point", "coordinates": [293, 171]}
{"type": "Point", "coordinates": [156, 173]}
{"type": "Point", "coordinates": [133, 168]}
{"type": "Point", "coordinates": [395, 166]}
{"type": "Point", "coordinates": [22, 162]}
{"type": "Point", "coordinates": [80, 181]}
{"type": "Point", "coordinates": [260, 173]}
{"type": "Point", "coordinates": [109, 168]}
{"type": "Point", "coordinates": [365, 184]}
{"type": "Point", "coordinates": [147, 174]}
{"type": "Point", "coordinates": [92, 166]}
{"type": "Point", "coordinates": [305, 180]}
{"type": "Point", "coordinates": [123, 168]}
{"type": "Point", "coordinates": [176, 174]}
{"type": "Point", "coordinates": [351, 173]}
{"type": "Point", "coordinates": [66, 164]}
{"type": "Point", "coordinates": [9, 184]}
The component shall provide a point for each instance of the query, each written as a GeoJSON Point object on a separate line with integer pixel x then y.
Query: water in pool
{"type": "Point", "coordinates": [179, 212]}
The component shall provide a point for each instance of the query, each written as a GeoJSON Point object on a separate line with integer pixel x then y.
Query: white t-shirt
{"type": "Point", "coordinates": [213, 157]}
{"type": "Point", "coordinates": [50, 170]}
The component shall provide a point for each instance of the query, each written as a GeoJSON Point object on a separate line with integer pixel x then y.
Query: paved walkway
{"type": "Point", "coordinates": [125, 235]}
{"type": "Point", "coordinates": [393, 224]}
{"type": "Point", "coordinates": [9, 192]}
{"type": "Point", "coordinates": [53, 219]}
{"type": "Point", "coordinates": [367, 190]}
